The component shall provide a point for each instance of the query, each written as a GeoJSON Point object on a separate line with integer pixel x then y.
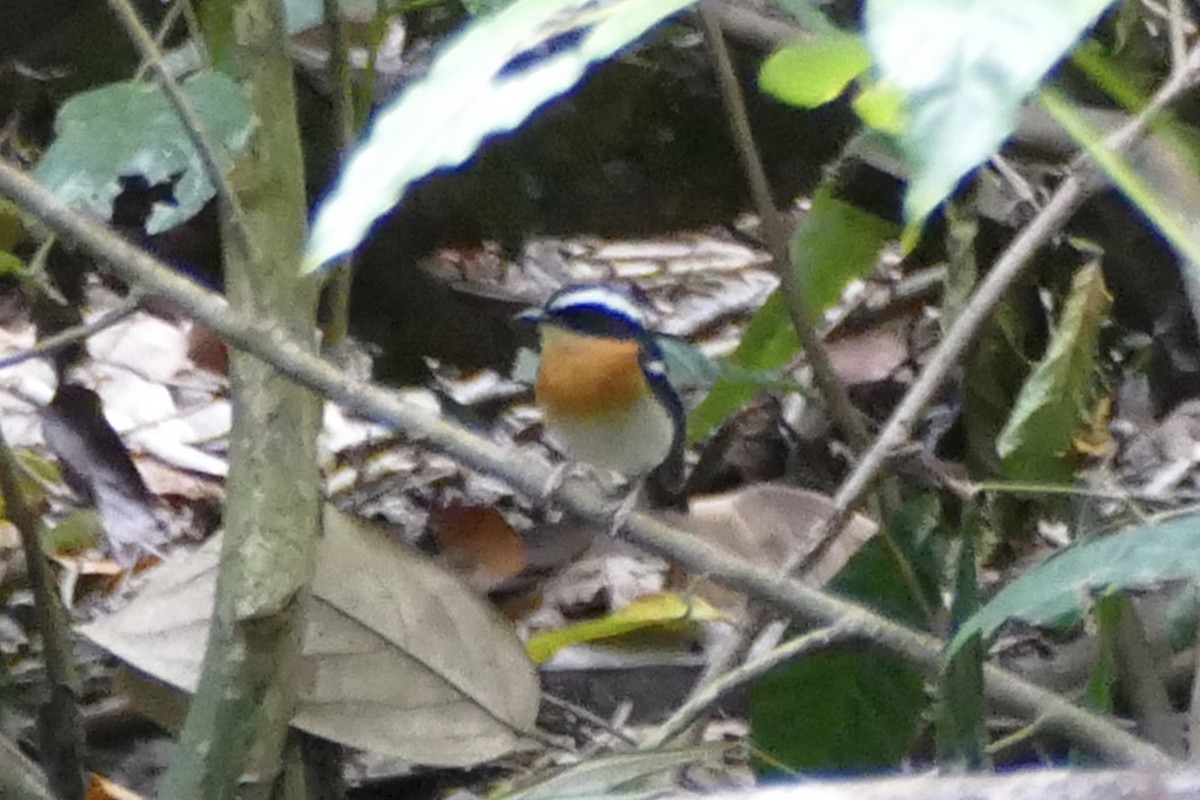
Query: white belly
{"type": "Point", "coordinates": [637, 445]}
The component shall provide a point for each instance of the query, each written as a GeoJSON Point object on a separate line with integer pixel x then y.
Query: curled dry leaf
{"type": "Point", "coordinates": [101, 788]}
{"type": "Point", "coordinates": [477, 543]}
{"type": "Point", "coordinates": [97, 466]}
{"type": "Point", "coordinates": [772, 525]}
{"type": "Point", "coordinates": [400, 657]}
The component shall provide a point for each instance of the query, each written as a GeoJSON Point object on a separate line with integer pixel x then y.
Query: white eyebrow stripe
{"type": "Point", "coordinates": [597, 296]}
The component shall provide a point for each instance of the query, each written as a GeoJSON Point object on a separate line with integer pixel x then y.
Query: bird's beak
{"type": "Point", "coordinates": [530, 317]}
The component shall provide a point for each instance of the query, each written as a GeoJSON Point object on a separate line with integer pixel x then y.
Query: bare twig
{"type": "Point", "coordinates": [74, 334]}
{"type": "Point", "coordinates": [160, 36]}
{"type": "Point", "coordinates": [269, 342]}
{"type": "Point", "coordinates": [150, 52]}
{"type": "Point", "coordinates": [1141, 664]}
{"type": "Point", "coordinates": [60, 728]}
{"type": "Point", "coordinates": [1177, 31]}
{"type": "Point", "coordinates": [341, 276]}
{"type": "Point", "coordinates": [775, 231]}
{"type": "Point", "coordinates": [587, 716]}
{"type": "Point", "coordinates": [705, 696]}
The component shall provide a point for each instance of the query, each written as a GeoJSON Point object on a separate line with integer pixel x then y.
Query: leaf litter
{"type": "Point", "coordinates": [173, 415]}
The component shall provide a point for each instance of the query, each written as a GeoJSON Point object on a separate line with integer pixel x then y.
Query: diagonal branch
{"type": "Point", "coordinates": [270, 343]}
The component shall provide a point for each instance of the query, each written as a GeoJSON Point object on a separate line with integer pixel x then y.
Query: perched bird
{"type": "Point", "coordinates": [602, 386]}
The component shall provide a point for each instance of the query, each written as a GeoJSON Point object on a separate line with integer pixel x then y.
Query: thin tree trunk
{"type": "Point", "coordinates": [234, 737]}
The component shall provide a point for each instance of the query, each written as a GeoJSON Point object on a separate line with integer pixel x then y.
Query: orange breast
{"type": "Point", "coordinates": [581, 376]}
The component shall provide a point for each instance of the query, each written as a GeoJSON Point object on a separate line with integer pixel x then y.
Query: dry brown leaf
{"type": "Point", "coordinates": [478, 544]}
{"type": "Point", "coordinates": [101, 788]}
{"type": "Point", "coordinates": [400, 657]}
{"type": "Point", "coordinates": [871, 356]}
{"type": "Point", "coordinates": [771, 524]}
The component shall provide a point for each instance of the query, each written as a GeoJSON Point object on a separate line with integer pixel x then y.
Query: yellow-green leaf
{"type": "Point", "coordinates": [813, 72]}
{"type": "Point", "coordinates": [664, 610]}
{"type": "Point", "coordinates": [1057, 397]}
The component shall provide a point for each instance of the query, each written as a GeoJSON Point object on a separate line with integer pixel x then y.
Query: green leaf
{"type": "Point", "coordinates": [667, 612]}
{"type": "Point", "coordinates": [834, 244]}
{"type": "Point", "coordinates": [994, 374]}
{"type": "Point", "coordinates": [813, 72]}
{"type": "Point", "coordinates": [12, 225]}
{"type": "Point", "coordinates": [961, 710]}
{"type": "Point", "coordinates": [852, 710]}
{"type": "Point", "coordinates": [10, 265]}
{"type": "Point", "coordinates": [78, 532]}
{"type": "Point", "coordinates": [1056, 398]}
{"type": "Point", "coordinates": [881, 107]}
{"type": "Point", "coordinates": [810, 14]}
{"type": "Point", "coordinates": [1059, 587]}
{"type": "Point", "coordinates": [874, 578]}
{"type": "Point", "coordinates": [488, 80]}
{"type": "Point", "coordinates": [132, 129]}
{"type": "Point", "coordinates": [965, 67]}
{"type": "Point", "coordinates": [1107, 612]}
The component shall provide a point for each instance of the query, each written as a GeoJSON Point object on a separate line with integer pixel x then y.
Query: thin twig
{"type": "Point", "coordinates": [1140, 664]}
{"type": "Point", "coordinates": [150, 52]}
{"type": "Point", "coordinates": [775, 231]}
{"type": "Point", "coordinates": [341, 274]}
{"type": "Point", "coordinates": [60, 727]}
{"type": "Point", "coordinates": [74, 334]}
{"type": "Point", "coordinates": [588, 717]}
{"type": "Point", "coordinates": [1177, 31]}
{"type": "Point", "coordinates": [269, 342]}
{"type": "Point", "coordinates": [160, 37]}
{"type": "Point", "coordinates": [705, 696]}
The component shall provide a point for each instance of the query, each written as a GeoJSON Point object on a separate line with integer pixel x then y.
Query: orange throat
{"type": "Point", "coordinates": [585, 377]}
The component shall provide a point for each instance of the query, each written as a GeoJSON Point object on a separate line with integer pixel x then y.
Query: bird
{"type": "Point", "coordinates": [603, 389]}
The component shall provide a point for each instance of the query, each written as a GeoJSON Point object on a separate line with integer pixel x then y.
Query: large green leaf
{"type": "Point", "coordinates": [1056, 398]}
{"type": "Point", "coordinates": [964, 68]}
{"type": "Point", "coordinates": [856, 709]}
{"type": "Point", "coordinates": [838, 710]}
{"type": "Point", "coordinates": [1058, 588]}
{"type": "Point", "coordinates": [131, 129]}
{"type": "Point", "coordinates": [834, 244]}
{"type": "Point", "coordinates": [488, 80]}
